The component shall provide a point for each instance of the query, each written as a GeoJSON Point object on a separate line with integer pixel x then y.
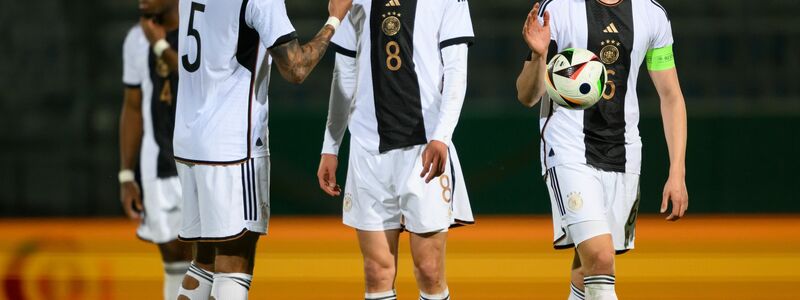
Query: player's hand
{"type": "Point", "coordinates": [131, 197]}
{"type": "Point", "coordinates": [536, 35]}
{"type": "Point", "coordinates": [154, 32]}
{"type": "Point", "coordinates": [675, 192]}
{"type": "Point", "coordinates": [339, 8]}
{"type": "Point", "coordinates": [434, 160]}
{"type": "Point", "coordinates": [327, 175]}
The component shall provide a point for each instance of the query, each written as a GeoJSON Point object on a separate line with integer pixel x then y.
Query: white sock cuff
{"type": "Point", "coordinates": [201, 275]}
{"type": "Point", "coordinates": [445, 295]}
{"type": "Point", "coordinates": [575, 291]}
{"type": "Point", "coordinates": [599, 280]}
{"type": "Point", "coordinates": [387, 295]}
{"type": "Point", "coordinates": [240, 278]}
{"type": "Point", "coordinates": [176, 268]}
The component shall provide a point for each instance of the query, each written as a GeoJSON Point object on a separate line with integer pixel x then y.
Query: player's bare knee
{"type": "Point", "coordinates": [599, 263]}
{"type": "Point", "coordinates": [430, 271]}
{"type": "Point", "coordinates": [379, 272]}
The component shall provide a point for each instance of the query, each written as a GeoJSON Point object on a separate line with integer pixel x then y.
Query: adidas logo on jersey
{"type": "Point", "coordinates": [393, 3]}
{"type": "Point", "coordinates": [611, 28]}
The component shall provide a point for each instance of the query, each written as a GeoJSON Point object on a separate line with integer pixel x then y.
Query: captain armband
{"type": "Point", "coordinates": [660, 59]}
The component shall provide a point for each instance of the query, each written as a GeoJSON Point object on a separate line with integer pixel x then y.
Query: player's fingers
{"type": "Point", "coordinates": [664, 202]}
{"type": "Point", "coordinates": [426, 163]}
{"type": "Point", "coordinates": [137, 202]}
{"type": "Point", "coordinates": [128, 208]}
{"type": "Point", "coordinates": [535, 10]}
{"type": "Point", "coordinates": [434, 172]}
{"type": "Point", "coordinates": [546, 23]}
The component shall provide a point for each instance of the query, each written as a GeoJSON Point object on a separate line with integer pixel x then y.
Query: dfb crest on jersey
{"type": "Point", "coordinates": [391, 23]}
{"type": "Point", "coordinates": [609, 54]}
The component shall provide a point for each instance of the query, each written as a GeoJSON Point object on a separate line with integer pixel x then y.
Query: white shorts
{"type": "Point", "coordinates": [222, 202]}
{"type": "Point", "coordinates": [385, 192]}
{"type": "Point", "coordinates": [580, 193]}
{"type": "Point", "coordinates": [161, 218]}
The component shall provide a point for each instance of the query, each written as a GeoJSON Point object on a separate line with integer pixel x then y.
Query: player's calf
{"type": "Point", "coordinates": [428, 251]}
{"type": "Point", "coordinates": [576, 278]}
{"type": "Point", "coordinates": [197, 282]}
{"type": "Point", "coordinates": [597, 260]}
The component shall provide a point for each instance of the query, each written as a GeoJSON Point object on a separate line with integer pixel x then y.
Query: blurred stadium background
{"type": "Point", "coordinates": [60, 77]}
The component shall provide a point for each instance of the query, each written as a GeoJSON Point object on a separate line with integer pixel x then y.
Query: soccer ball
{"type": "Point", "coordinates": [576, 78]}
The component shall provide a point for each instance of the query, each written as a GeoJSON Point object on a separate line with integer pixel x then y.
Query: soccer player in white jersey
{"type": "Point", "coordinates": [399, 84]}
{"type": "Point", "coordinates": [146, 125]}
{"type": "Point", "coordinates": [591, 159]}
{"type": "Point", "coordinates": [221, 143]}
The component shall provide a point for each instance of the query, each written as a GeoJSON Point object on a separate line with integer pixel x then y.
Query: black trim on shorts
{"type": "Point", "coordinates": [217, 239]}
{"type": "Point", "coordinates": [343, 51]}
{"type": "Point", "coordinates": [133, 86]}
{"type": "Point", "coordinates": [469, 40]}
{"type": "Point", "coordinates": [564, 247]}
{"type": "Point", "coordinates": [209, 162]}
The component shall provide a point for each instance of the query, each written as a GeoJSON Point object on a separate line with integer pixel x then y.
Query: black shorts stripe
{"type": "Point", "coordinates": [469, 40]}
{"type": "Point", "coordinates": [133, 86]}
{"type": "Point", "coordinates": [343, 51]}
{"type": "Point", "coordinates": [244, 193]}
{"type": "Point", "coordinates": [556, 191]}
{"type": "Point", "coordinates": [254, 200]}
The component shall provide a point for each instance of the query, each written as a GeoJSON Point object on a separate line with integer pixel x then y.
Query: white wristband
{"type": "Point", "coordinates": [126, 176]}
{"type": "Point", "coordinates": [334, 22]}
{"type": "Point", "coordinates": [160, 46]}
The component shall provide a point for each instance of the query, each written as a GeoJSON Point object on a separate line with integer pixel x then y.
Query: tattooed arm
{"type": "Point", "coordinates": [295, 61]}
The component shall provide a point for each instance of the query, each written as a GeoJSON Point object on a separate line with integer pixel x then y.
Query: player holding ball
{"type": "Point", "coordinates": [591, 155]}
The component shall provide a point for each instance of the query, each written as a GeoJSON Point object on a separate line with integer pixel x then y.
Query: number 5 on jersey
{"type": "Point", "coordinates": [192, 32]}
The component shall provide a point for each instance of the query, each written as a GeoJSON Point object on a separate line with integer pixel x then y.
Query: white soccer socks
{"type": "Point", "coordinates": [600, 287]}
{"type": "Point", "coordinates": [196, 285]}
{"type": "Point", "coordinates": [440, 296]}
{"type": "Point", "coordinates": [231, 286]}
{"type": "Point", "coordinates": [575, 293]}
{"type": "Point", "coordinates": [173, 276]}
{"type": "Point", "coordinates": [388, 295]}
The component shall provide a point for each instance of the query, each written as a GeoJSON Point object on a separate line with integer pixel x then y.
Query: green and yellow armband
{"type": "Point", "coordinates": [660, 59]}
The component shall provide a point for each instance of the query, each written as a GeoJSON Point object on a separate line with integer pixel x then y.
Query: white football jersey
{"type": "Point", "coordinates": [224, 70]}
{"type": "Point", "coordinates": [606, 135]}
{"type": "Point", "coordinates": [397, 46]}
{"type": "Point", "coordinates": [142, 69]}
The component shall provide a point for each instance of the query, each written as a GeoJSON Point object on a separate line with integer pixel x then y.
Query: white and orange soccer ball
{"type": "Point", "coordinates": [576, 78]}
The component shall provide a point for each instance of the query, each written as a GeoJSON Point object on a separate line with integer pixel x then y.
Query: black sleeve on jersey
{"type": "Point", "coordinates": [341, 50]}
{"type": "Point", "coordinates": [284, 39]}
{"type": "Point", "coordinates": [469, 40]}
